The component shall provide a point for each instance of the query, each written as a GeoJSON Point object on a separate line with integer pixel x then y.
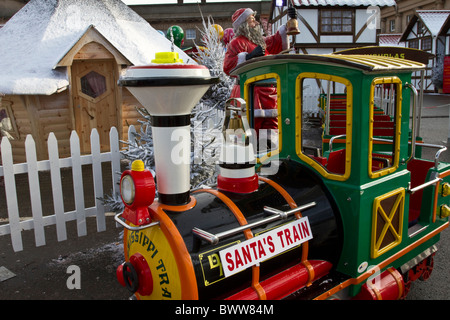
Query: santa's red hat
{"type": "Point", "coordinates": [240, 16]}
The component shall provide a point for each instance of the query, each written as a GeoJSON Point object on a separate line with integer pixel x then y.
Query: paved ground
{"type": "Point", "coordinates": [41, 273]}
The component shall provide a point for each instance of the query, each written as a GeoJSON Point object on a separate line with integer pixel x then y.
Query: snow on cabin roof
{"type": "Point", "coordinates": [34, 40]}
{"type": "Point", "coordinates": [350, 3]}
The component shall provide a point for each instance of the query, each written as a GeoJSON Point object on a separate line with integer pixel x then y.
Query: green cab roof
{"type": "Point", "coordinates": [365, 63]}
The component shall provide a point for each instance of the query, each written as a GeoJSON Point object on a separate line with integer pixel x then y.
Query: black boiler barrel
{"type": "Point", "coordinates": [212, 213]}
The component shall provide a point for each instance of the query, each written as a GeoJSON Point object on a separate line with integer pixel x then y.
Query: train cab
{"type": "Point", "coordinates": [364, 148]}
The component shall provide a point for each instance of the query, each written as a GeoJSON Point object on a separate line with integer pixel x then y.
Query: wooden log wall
{"type": "Point", "coordinates": [129, 114]}
{"type": "Point", "coordinates": [40, 115]}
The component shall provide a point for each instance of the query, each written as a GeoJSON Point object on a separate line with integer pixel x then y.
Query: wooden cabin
{"type": "Point", "coordinates": [59, 66]}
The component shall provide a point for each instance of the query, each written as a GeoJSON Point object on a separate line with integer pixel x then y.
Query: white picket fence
{"type": "Point", "coordinates": [310, 100]}
{"type": "Point", "coordinates": [32, 167]}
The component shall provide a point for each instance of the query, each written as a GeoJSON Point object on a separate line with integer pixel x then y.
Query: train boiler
{"type": "Point", "coordinates": [324, 213]}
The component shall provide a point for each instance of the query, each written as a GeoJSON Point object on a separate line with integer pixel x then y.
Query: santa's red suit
{"type": "Point", "coordinates": [265, 97]}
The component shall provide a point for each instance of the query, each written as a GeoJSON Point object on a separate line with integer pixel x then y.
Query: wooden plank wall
{"type": "Point", "coordinates": [40, 115]}
{"type": "Point", "coordinates": [129, 114]}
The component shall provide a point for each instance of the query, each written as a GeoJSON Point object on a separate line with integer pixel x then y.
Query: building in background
{"type": "Point", "coordinates": [330, 25]}
{"type": "Point", "coordinates": [395, 19]}
{"type": "Point", "coordinates": [428, 30]}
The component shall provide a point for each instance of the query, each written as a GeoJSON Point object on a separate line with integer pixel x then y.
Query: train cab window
{"type": "Point", "coordinates": [384, 126]}
{"type": "Point", "coordinates": [263, 95]}
{"type": "Point", "coordinates": [327, 147]}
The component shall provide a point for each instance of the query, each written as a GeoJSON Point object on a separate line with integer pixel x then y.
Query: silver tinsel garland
{"type": "Point", "coordinates": [206, 121]}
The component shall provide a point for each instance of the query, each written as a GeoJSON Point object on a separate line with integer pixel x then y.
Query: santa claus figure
{"type": "Point", "coordinates": [249, 43]}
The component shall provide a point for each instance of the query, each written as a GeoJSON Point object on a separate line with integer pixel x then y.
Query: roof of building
{"type": "Point", "coordinates": [445, 27]}
{"type": "Point", "coordinates": [433, 20]}
{"type": "Point", "coordinates": [37, 37]}
{"type": "Point", "coordinates": [350, 3]}
{"type": "Point", "coordinates": [390, 39]}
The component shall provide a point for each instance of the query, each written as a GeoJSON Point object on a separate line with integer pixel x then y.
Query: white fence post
{"type": "Point", "coordinates": [54, 164]}
{"type": "Point", "coordinates": [55, 174]}
{"type": "Point", "coordinates": [11, 195]}
{"type": "Point", "coordinates": [115, 158]}
{"type": "Point", "coordinates": [35, 192]}
{"type": "Point", "coordinates": [77, 176]}
{"type": "Point", "coordinates": [97, 178]}
{"type": "Point", "coordinates": [132, 134]}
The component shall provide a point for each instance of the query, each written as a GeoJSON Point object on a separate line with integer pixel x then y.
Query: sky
{"type": "Point", "coordinates": [131, 2]}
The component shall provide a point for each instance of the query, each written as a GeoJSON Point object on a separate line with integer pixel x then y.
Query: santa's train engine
{"type": "Point", "coordinates": [348, 213]}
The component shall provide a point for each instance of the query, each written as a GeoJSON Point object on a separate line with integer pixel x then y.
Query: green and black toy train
{"type": "Point", "coordinates": [341, 209]}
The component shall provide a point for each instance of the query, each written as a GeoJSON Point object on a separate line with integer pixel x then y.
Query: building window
{"type": "Point", "coordinates": [414, 44]}
{"type": "Point", "coordinates": [420, 27]}
{"type": "Point", "coordinates": [408, 18]}
{"type": "Point", "coordinates": [93, 84]}
{"type": "Point", "coordinates": [191, 34]}
{"type": "Point", "coordinates": [336, 21]}
{"type": "Point", "coordinates": [426, 44]}
{"type": "Point", "coordinates": [392, 25]}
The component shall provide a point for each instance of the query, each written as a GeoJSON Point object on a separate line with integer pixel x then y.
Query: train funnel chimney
{"type": "Point", "coordinates": [169, 90]}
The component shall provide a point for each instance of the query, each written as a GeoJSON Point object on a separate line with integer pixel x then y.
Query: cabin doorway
{"type": "Point", "coordinates": [94, 100]}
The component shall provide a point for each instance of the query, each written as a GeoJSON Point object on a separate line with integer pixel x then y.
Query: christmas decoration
{"type": "Point", "coordinates": [206, 120]}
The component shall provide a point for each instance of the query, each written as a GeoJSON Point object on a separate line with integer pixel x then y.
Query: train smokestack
{"type": "Point", "coordinates": [169, 90]}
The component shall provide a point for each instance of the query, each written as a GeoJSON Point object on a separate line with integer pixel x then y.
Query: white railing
{"type": "Point", "coordinates": [384, 98]}
{"type": "Point", "coordinates": [310, 100]}
{"type": "Point", "coordinates": [54, 164]}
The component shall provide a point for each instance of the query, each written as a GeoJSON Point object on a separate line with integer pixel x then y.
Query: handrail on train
{"type": "Point", "coordinates": [330, 144]}
{"type": "Point", "coordinates": [427, 145]}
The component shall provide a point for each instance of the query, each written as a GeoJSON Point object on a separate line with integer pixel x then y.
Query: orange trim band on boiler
{"type": "Point", "coordinates": [232, 206]}
{"type": "Point", "coordinates": [186, 270]}
{"type": "Point", "coordinates": [280, 190]}
{"type": "Point", "coordinates": [374, 291]}
{"type": "Point", "coordinates": [298, 215]}
{"type": "Point", "coordinates": [399, 280]}
{"type": "Point", "coordinates": [292, 204]}
{"type": "Point", "coordinates": [248, 235]}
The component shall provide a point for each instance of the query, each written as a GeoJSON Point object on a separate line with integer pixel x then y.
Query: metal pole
{"type": "Point", "coordinates": [419, 114]}
{"type": "Point", "coordinates": [413, 130]}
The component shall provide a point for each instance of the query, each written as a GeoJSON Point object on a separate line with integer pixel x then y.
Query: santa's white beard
{"type": "Point", "coordinates": [253, 34]}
